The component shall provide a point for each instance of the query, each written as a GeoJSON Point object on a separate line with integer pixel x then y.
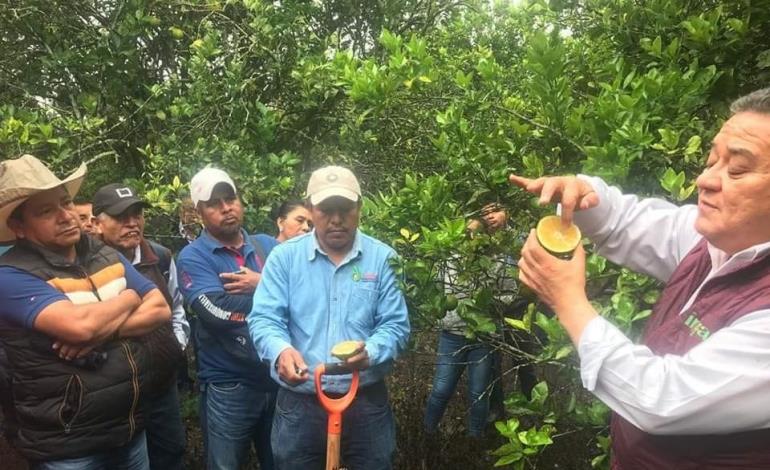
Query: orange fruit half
{"type": "Point", "coordinates": [558, 240]}
{"type": "Point", "coordinates": [345, 349]}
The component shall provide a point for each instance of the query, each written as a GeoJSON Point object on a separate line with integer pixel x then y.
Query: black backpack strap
{"type": "Point", "coordinates": [164, 258]}
{"type": "Point", "coordinates": [259, 252]}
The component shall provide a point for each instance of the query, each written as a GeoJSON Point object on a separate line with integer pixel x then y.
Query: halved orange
{"type": "Point", "coordinates": [345, 349]}
{"type": "Point", "coordinates": [558, 240]}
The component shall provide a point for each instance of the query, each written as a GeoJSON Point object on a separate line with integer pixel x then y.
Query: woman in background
{"type": "Point", "coordinates": [292, 219]}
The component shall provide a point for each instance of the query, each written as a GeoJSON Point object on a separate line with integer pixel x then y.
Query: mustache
{"type": "Point", "coordinates": [68, 229]}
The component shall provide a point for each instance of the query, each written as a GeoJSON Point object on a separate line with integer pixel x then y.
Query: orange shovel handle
{"type": "Point", "coordinates": [335, 406]}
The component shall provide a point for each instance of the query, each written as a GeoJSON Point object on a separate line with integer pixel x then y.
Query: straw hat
{"type": "Point", "coordinates": [24, 177]}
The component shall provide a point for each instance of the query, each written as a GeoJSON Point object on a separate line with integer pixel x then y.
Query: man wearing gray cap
{"type": "Point", "coordinates": [331, 285]}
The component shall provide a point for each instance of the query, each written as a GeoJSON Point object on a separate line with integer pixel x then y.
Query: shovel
{"type": "Point", "coordinates": [334, 408]}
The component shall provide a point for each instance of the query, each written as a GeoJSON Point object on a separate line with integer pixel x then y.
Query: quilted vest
{"type": "Point", "coordinates": [65, 410]}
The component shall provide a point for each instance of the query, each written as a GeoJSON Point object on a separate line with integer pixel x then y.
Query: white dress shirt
{"type": "Point", "coordinates": [721, 385]}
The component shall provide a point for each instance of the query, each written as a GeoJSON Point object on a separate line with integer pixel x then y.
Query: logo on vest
{"type": "Point", "coordinates": [696, 327]}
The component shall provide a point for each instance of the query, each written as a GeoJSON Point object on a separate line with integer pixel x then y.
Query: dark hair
{"type": "Point", "coordinates": [16, 213]}
{"type": "Point", "coordinates": [282, 211]}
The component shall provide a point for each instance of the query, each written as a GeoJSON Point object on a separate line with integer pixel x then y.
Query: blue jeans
{"type": "Point", "coordinates": [368, 439]}
{"type": "Point", "coordinates": [132, 456]}
{"type": "Point", "coordinates": [454, 353]}
{"type": "Point", "coordinates": [165, 431]}
{"type": "Point", "coordinates": [233, 416]}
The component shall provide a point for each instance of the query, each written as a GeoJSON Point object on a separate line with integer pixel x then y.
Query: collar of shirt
{"type": "Point", "coordinates": [722, 263]}
{"type": "Point", "coordinates": [137, 255]}
{"type": "Point", "coordinates": [212, 244]}
{"type": "Point", "coordinates": [314, 248]}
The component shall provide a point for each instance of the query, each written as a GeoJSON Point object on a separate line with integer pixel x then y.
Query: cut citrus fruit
{"type": "Point", "coordinates": [557, 239]}
{"type": "Point", "coordinates": [345, 349]}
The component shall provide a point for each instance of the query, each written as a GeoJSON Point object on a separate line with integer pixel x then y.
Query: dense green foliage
{"type": "Point", "coordinates": [432, 102]}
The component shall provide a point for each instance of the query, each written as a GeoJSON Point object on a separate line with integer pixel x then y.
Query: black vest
{"type": "Point", "coordinates": [165, 355]}
{"type": "Point", "coordinates": [65, 410]}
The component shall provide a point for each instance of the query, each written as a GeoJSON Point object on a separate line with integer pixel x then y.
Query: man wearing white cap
{"type": "Point", "coordinates": [319, 289]}
{"type": "Point", "coordinates": [72, 311]}
{"type": "Point", "coordinates": [218, 273]}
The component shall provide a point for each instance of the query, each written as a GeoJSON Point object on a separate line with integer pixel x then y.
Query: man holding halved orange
{"type": "Point", "coordinates": [694, 393]}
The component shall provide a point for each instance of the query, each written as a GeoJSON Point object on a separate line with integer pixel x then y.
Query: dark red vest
{"type": "Point", "coordinates": [719, 303]}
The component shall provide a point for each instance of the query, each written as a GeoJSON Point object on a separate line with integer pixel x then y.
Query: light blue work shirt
{"type": "Point", "coordinates": [304, 301]}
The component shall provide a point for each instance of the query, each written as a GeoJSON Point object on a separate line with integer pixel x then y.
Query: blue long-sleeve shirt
{"type": "Point", "coordinates": [306, 302]}
{"type": "Point", "coordinates": [221, 330]}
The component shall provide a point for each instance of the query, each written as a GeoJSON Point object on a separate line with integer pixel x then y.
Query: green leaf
{"type": "Point", "coordinates": [641, 315]}
{"type": "Point", "coordinates": [533, 437]}
{"type": "Point", "coordinates": [563, 352]}
{"type": "Point", "coordinates": [507, 448]}
{"type": "Point", "coordinates": [693, 146]}
{"type": "Point", "coordinates": [509, 459]}
{"type": "Point", "coordinates": [518, 324]}
{"type": "Point", "coordinates": [651, 297]}
{"type": "Point", "coordinates": [539, 393]}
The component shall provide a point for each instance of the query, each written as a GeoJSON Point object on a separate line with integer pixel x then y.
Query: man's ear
{"type": "Point", "coordinates": [96, 223]}
{"type": "Point", "coordinates": [16, 227]}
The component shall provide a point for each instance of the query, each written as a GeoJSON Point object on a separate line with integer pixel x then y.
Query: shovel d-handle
{"type": "Point", "coordinates": [334, 408]}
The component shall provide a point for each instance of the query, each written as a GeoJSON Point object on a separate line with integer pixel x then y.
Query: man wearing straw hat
{"type": "Point", "coordinates": [71, 314]}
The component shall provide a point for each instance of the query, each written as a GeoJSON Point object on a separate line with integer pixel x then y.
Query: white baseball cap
{"type": "Point", "coordinates": [202, 184]}
{"type": "Point", "coordinates": [332, 181]}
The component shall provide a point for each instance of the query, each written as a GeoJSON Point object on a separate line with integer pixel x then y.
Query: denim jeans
{"type": "Point", "coordinates": [132, 456]}
{"type": "Point", "coordinates": [368, 438]}
{"type": "Point", "coordinates": [455, 352]}
{"type": "Point", "coordinates": [165, 431]}
{"type": "Point", "coordinates": [233, 416]}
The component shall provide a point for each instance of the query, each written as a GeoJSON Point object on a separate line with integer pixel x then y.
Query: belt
{"type": "Point", "coordinates": [373, 389]}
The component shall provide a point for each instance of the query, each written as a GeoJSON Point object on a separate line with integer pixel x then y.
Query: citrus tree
{"type": "Point", "coordinates": [433, 103]}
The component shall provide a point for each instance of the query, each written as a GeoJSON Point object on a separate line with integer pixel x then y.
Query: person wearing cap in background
{"type": "Point", "coordinates": [85, 215]}
{"type": "Point", "coordinates": [73, 313]}
{"type": "Point", "coordinates": [119, 223]}
{"type": "Point", "coordinates": [218, 273]}
{"type": "Point", "coordinates": [319, 289]}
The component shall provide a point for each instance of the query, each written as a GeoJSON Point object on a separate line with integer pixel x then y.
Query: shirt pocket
{"type": "Point", "coordinates": [362, 305]}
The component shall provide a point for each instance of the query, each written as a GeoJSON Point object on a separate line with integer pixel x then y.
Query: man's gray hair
{"type": "Point", "coordinates": [757, 102]}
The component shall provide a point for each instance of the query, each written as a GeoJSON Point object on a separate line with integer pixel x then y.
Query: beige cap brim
{"type": "Point", "coordinates": [325, 194]}
{"type": "Point", "coordinates": [16, 196]}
